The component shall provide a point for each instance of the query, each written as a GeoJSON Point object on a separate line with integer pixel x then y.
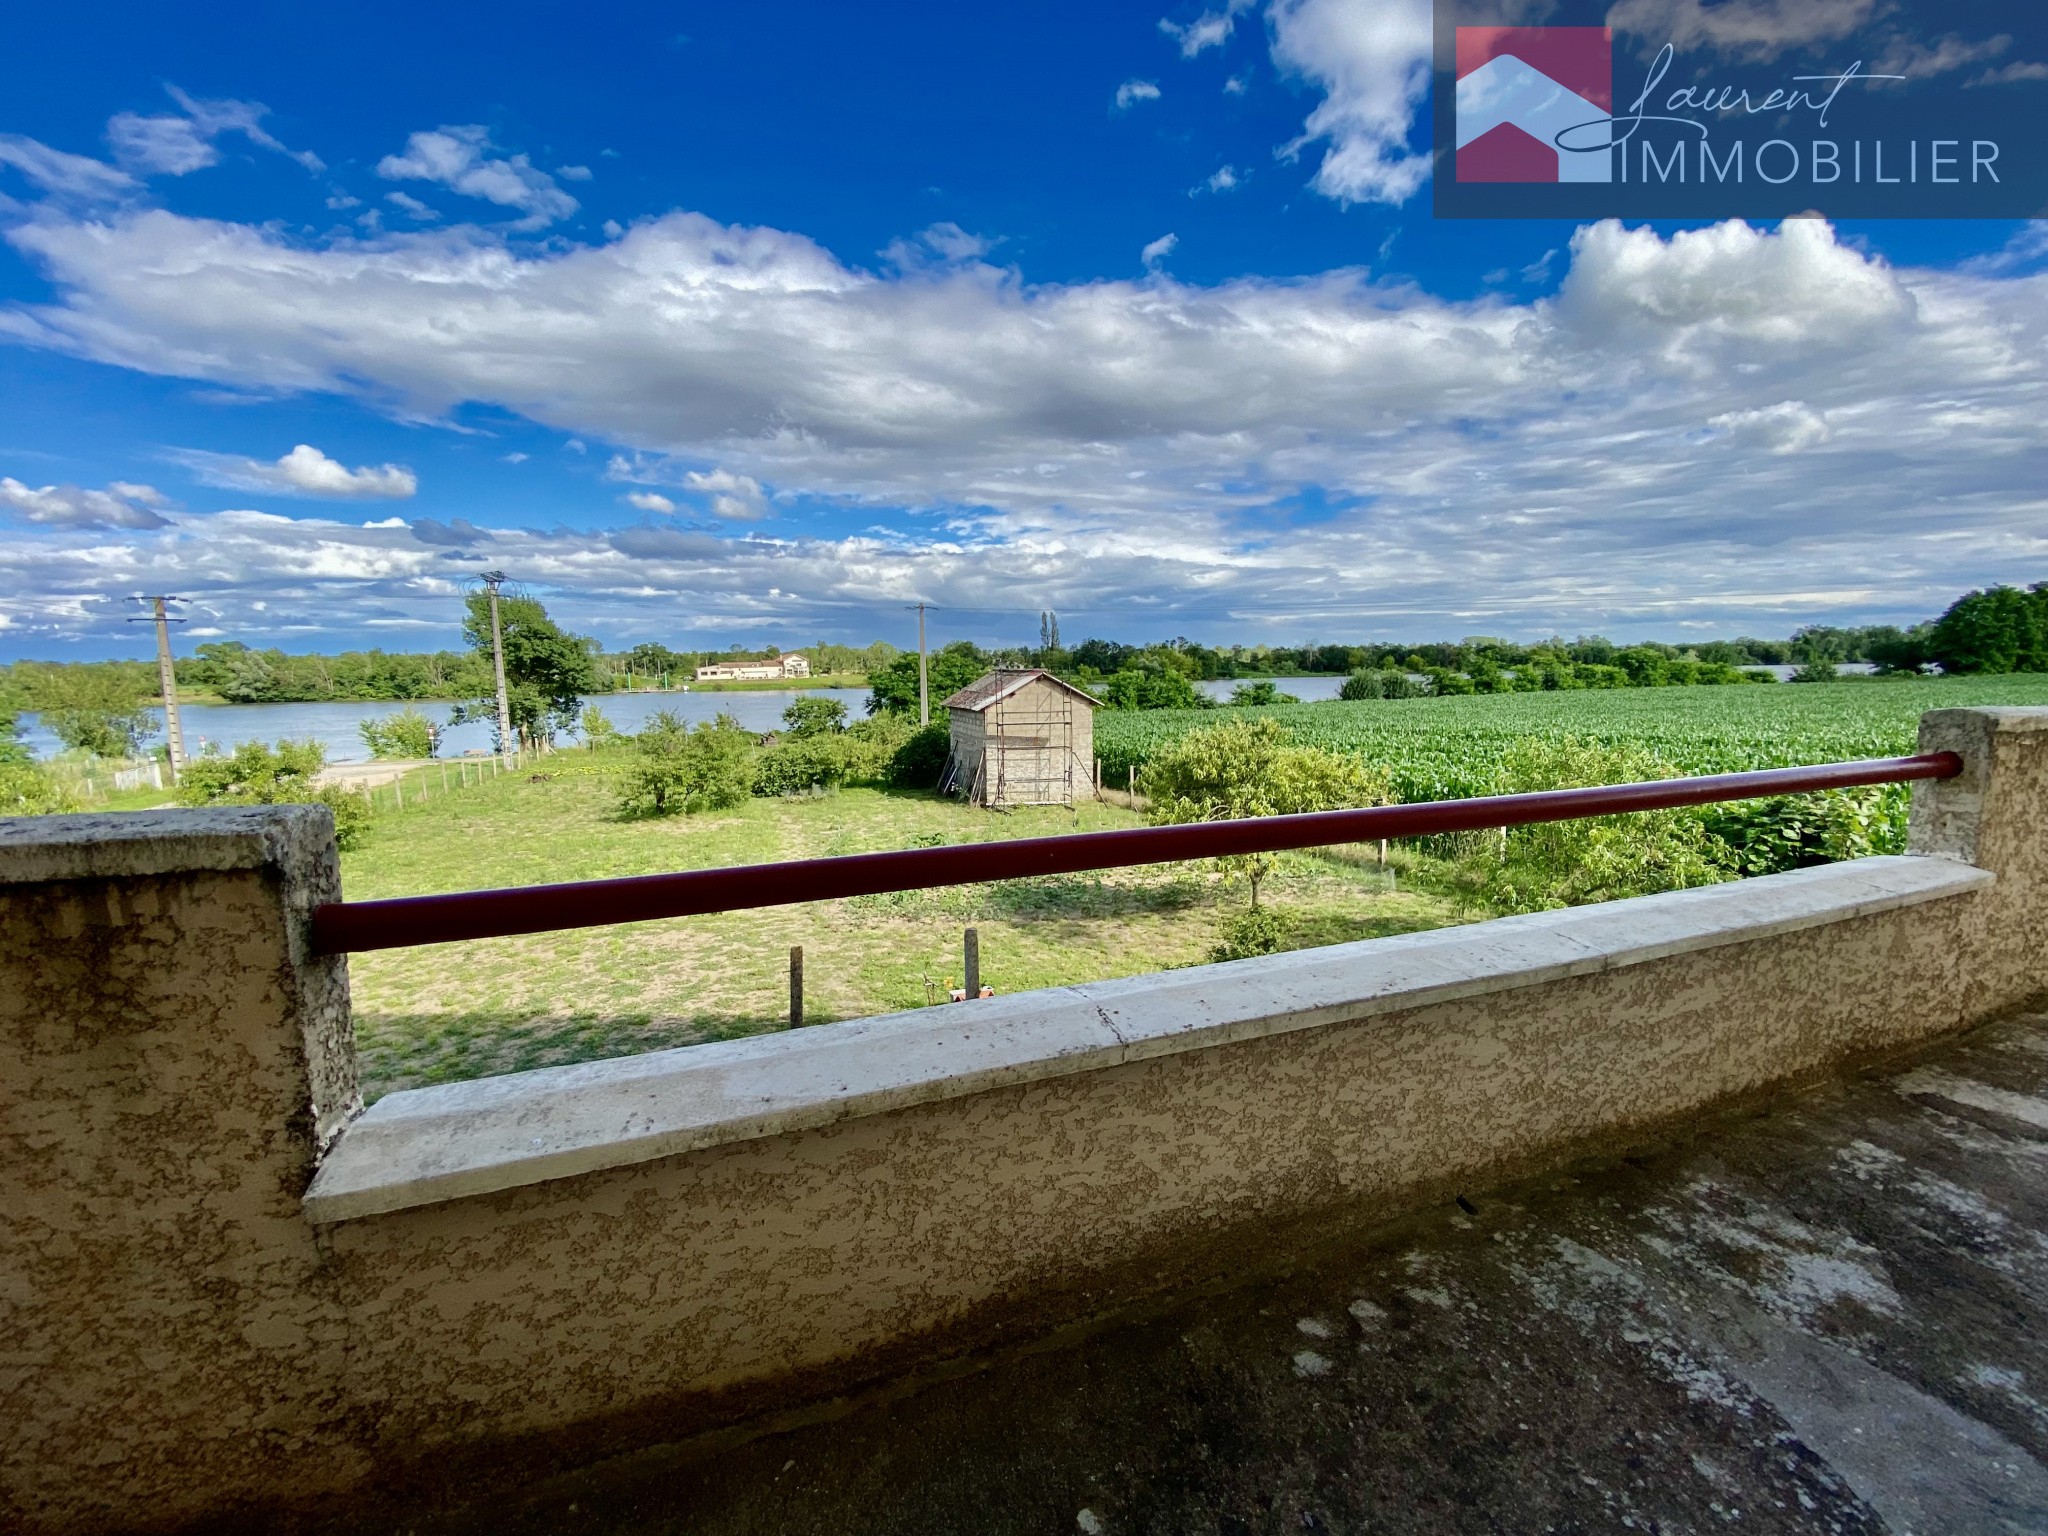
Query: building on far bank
{"type": "Point", "coordinates": [754, 671]}
{"type": "Point", "coordinates": [1021, 737]}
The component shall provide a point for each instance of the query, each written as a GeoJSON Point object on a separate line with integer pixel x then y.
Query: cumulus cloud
{"type": "Point", "coordinates": [460, 533]}
{"type": "Point", "coordinates": [1211, 29]}
{"type": "Point", "coordinates": [1158, 250]}
{"type": "Point", "coordinates": [1756, 30]}
{"type": "Point", "coordinates": [1133, 91]}
{"type": "Point", "coordinates": [1225, 179]}
{"type": "Point", "coordinates": [305, 471]}
{"type": "Point", "coordinates": [120, 505]}
{"type": "Point", "coordinates": [1615, 453]}
{"type": "Point", "coordinates": [649, 501]}
{"type": "Point", "coordinates": [406, 203]}
{"type": "Point", "coordinates": [1371, 59]}
{"type": "Point", "coordinates": [462, 159]}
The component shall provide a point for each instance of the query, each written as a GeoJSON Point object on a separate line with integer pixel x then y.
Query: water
{"type": "Point", "coordinates": [334, 725]}
{"type": "Point", "coordinates": [1310, 690]}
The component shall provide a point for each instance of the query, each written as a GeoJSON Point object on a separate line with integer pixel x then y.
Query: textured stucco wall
{"type": "Point", "coordinates": [177, 1340]}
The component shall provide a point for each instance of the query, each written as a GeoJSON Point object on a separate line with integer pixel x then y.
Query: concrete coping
{"type": "Point", "coordinates": [117, 845]}
{"type": "Point", "coordinates": [424, 1146]}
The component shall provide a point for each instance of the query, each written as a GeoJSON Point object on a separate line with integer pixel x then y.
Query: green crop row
{"type": "Point", "coordinates": [1437, 749]}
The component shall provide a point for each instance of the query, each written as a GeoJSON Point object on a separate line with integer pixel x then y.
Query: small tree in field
{"type": "Point", "coordinates": [678, 768]}
{"type": "Point", "coordinates": [1252, 768]}
{"type": "Point", "coordinates": [254, 774]}
{"type": "Point", "coordinates": [814, 716]}
{"type": "Point", "coordinates": [409, 733]}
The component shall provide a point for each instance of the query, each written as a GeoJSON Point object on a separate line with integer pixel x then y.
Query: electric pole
{"type": "Point", "coordinates": [492, 580]}
{"type": "Point", "coordinates": [924, 701]}
{"type": "Point", "coordinates": [167, 677]}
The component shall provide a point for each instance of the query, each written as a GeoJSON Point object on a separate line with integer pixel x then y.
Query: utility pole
{"type": "Point", "coordinates": [924, 700]}
{"type": "Point", "coordinates": [492, 580]}
{"type": "Point", "coordinates": [167, 677]}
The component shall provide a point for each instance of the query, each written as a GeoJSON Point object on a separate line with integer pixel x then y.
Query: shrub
{"type": "Point", "coordinates": [1597, 858]}
{"type": "Point", "coordinates": [1387, 683]}
{"type": "Point", "coordinates": [1254, 931]}
{"type": "Point", "coordinates": [254, 774]}
{"type": "Point", "coordinates": [800, 765]}
{"type": "Point", "coordinates": [1251, 768]}
{"type": "Point", "coordinates": [918, 763]}
{"type": "Point", "coordinates": [1252, 694]}
{"type": "Point", "coordinates": [1762, 837]}
{"type": "Point", "coordinates": [870, 746]}
{"type": "Point", "coordinates": [596, 728]}
{"type": "Point", "coordinates": [26, 790]}
{"type": "Point", "coordinates": [409, 733]}
{"type": "Point", "coordinates": [1815, 672]}
{"type": "Point", "coordinates": [814, 716]}
{"type": "Point", "coordinates": [677, 768]}
{"type": "Point", "coordinates": [94, 710]}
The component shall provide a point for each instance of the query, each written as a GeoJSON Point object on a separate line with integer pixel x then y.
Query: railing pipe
{"type": "Point", "coordinates": [353, 926]}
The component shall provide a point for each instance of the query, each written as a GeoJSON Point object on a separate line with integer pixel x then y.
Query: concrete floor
{"type": "Point", "coordinates": [1824, 1317]}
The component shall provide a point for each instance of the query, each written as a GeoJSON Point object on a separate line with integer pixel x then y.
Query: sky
{"type": "Point", "coordinates": [755, 324]}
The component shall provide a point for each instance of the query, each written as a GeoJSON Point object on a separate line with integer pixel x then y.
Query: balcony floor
{"type": "Point", "coordinates": [1823, 1317]}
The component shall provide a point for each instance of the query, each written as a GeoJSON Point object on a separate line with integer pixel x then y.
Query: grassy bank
{"type": "Point", "coordinates": [469, 1010]}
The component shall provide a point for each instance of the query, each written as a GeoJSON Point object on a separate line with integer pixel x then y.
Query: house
{"type": "Point", "coordinates": [1021, 737]}
{"type": "Point", "coordinates": [772, 670]}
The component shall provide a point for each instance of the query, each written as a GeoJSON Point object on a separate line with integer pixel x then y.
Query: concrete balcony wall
{"type": "Point", "coordinates": [224, 1291]}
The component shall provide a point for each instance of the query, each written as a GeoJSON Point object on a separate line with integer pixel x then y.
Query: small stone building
{"type": "Point", "coordinates": [1021, 737]}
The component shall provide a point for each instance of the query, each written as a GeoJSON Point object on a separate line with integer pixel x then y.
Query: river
{"type": "Point", "coordinates": [334, 725]}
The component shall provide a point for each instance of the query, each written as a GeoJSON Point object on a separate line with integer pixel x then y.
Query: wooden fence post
{"type": "Point", "coordinates": [796, 986]}
{"type": "Point", "coordinates": [973, 957]}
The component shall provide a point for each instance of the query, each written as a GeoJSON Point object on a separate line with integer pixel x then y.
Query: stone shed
{"type": "Point", "coordinates": [1021, 737]}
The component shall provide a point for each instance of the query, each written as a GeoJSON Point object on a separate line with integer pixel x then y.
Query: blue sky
{"type": "Point", "coordinates": [753, 324]}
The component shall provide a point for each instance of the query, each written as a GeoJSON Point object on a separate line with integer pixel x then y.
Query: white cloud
{"type": "Point", "coordinates": [1787, 427]}
{"type": "Point", "coordinates": [412, 206]}
{"type": "Point", "coordinates": [1158, 250]}
{"type": "Point", "coordinates": [649, 501]}
{"type": "Point", "coordinates": [2008, 74]}
{"type": "Point", "coordinates": [737, 497]}
{"type": "Point", "coordinates": [573, 172]}
{"type": "Point", "coordinates": [1746, 29]}
{"type": "Point", "coordinates": [461, 159]}
{"type": "Point", "coordinates": [1226, 178]}
{"type": "Point", "coordinates": [1134, 91]}
{"type": "Point", "coordinates": [171, 144]}
{"type": "Point", "coordinates": [120, 505]}
{"type": "Point", "coordinates": [64, 174]}
{"type": "Point", "coordinates": [305, 471]}
{"type": "Point", "coordinates": [1609, 454]}
{"type": "Point", "coordinates": [1371, 59]}
{"type": "Point", "coordinates": [1236, 85]}
{"type": "Point", "coordinates": [1211, 29]}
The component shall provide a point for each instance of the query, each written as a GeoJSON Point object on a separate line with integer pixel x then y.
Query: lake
{"type": "Point", "coordinates": [334, 725]}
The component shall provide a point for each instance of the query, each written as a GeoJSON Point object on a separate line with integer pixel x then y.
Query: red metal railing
{"type": "Point", "coordinates": [350, 926]}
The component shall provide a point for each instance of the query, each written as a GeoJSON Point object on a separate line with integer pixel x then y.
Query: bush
{"type": "Point", "coordinates": [254, 774]}
{"type": "Point", "coordinates": [1251, 768]}
{"type": "Point", "coordinates": [1254, 931]}
{"type": "Point", "coordinates": [1386, 683]}
{"type": "Point", "coordinates": [677, 768]}
{"type": "Point", "coordinates": [26, 790]}
{"type": "Point", "coordinates": [814, 716]}
{"type": "Point", "coordinates": [1763, 837]}
{"type": "Point", "coordinates": [871, 745]}
{"type": "Point", "coordinates": [409, 733]}
{"type": "Point", "coordinates": [800, 765]}
{"type": "Point", "coordinates": [1265, 691]}
{"type": "Point", "coordinates": [1815, 672]}
{"type": "Point", "coordinates": [1596, 858]}
{"type": "Point", "coordinates": [94, 710]}
{"type": "Point", "coordinates": [918, 763]}
{"type": "Point", "coordinates": [595, 727]}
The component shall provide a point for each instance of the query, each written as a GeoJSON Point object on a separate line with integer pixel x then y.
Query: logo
{"type": "Point", "coordinates": [1522, 91]}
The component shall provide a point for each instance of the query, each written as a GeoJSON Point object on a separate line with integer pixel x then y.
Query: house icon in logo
{"type": "Point", "coordinates": [1519, 88]}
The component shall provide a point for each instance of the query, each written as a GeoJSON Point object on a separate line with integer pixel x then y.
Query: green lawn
{"type": "Point", "coordinates": [469, 1010]}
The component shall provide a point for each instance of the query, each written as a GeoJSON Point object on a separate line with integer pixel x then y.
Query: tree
{"type": "Point", "coordinates": [812, 715]}
{"type": "Point", "coordinates": [1999, 629]}
{"type": "Point", "coordinates": [679, 768]}
{"type": "Point", "coordinates": [595, 727]}
{"type": "Point", "coordinates": [1259, 694]}
{"type": "Point", "coordinates": [254, 774]}
{"type": "Point", "coordinates": [93, 709]}
{"type": "Point", "coordinates": [409, 733]}
{"type": "Point", "coordinates": [547, 669]}
{"type": "Point", "coordinates": [1251, 768]}
{"type": "Point", "coordinates": [894, 688]}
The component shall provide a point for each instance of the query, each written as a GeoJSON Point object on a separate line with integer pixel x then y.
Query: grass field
{"type": "Point", "coordinates": [469, 1010]}
{"type": "Point", "coordinates": [1438, 749]}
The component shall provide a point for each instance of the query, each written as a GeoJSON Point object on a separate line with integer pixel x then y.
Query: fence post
{"type": "Point", "coordinates": [973, 967]}
{"type": "Point", "coordinates": [796, 986]}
